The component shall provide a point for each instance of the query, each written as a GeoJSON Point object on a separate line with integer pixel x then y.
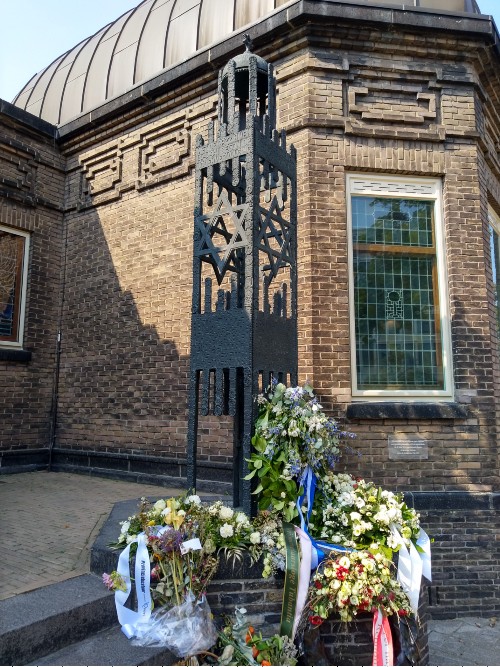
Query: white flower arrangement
{"type": "Point", "coordinates": [356, 513]}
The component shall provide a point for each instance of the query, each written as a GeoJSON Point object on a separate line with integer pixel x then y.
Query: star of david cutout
{"type": "Point", "coordinates": [274, 238]}
{"type": "Point", "coordinates": [221, 233]}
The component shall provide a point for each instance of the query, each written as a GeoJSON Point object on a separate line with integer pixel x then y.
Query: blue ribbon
{"type": "Point", "coordinates": [309, 482]}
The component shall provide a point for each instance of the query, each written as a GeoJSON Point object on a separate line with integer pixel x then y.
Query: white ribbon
{"type": "Point", "coordinates": [411, 565]}
{"type": "Point", "coordinates": [425, 544]}
{"type": "Point", "coordinates": [129, 619]}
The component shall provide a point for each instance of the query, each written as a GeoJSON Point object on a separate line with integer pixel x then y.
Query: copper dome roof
{"type": "Point", "coordinates": [141, 43]}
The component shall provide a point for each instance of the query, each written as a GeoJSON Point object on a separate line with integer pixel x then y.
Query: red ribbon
{"type": "Point", "coordinates": [383, 652]}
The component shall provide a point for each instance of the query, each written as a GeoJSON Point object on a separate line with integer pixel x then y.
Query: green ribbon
{"type": "Point", "coordinates": [291, 581]}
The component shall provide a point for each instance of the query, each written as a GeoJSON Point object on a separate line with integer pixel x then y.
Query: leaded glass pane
{"type": "Point", "coordinates": [392, 221]}
{"type": "Point", "coordinates": [398, 338]}
{"type": "Point", "coordinates": [495, 261]}
{"type": "Point", "coordinates": [11, 260]}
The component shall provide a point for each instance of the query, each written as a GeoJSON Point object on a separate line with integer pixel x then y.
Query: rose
{"type": "Point", "coordinates": [226, 513]}
{"type": "Point", "coordinates": [315, 620]}
{"type": "Point", "coordinates": [255, 537]}
{"type": "Point", "coordinates": [226, 530]}
{"type": "Point", "coordinates": [159, 505]}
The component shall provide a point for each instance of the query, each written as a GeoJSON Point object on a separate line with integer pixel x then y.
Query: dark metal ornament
{"type": "Point", "coordinates": [244, 333]}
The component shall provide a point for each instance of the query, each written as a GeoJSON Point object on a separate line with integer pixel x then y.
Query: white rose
{"type": "Point", "coordinates": [241, 517]}
{"type": "Point", "coordinates": [160, 505]}
{"type": "Point", "coordinates": [226, 513]}
{"type": "Point", "coordinates": [226, 530]}
{"type": "Point", "coordinates": [125, 527]}
{"type": "Point", "coordinates": [255, 537]}
{"type": "Point", "coordinates": [194, 500]}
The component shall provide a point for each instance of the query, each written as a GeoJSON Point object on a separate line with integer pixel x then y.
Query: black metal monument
{"type": "Point", "coordinates": [244, 330]}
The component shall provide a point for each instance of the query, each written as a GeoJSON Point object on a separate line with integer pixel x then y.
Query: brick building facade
{"type": "Point", "coordinates": [388, 109]}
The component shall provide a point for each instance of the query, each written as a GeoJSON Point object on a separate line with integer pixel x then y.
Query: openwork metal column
{"type": "Point", "coordinates": [244, 329]}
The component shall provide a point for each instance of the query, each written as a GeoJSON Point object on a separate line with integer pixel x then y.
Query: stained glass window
{"type": "Point", "coordinates": [12, 258]}
{"type": "Point", "coordinates": [396, 297]}
{"type": "Point", "coordinates": [495, 261]}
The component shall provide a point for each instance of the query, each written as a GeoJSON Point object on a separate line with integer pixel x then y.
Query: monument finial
{"type": "Point", "coordinates": [247, 41]}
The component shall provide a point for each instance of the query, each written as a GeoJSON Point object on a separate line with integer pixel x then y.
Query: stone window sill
{"type": "Point", "coordinates": [9, 354]}
{"type": "Point", "coordinates": [370, 410]}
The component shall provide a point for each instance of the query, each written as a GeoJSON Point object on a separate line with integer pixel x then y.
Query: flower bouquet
{"type": "Point", "coordinates": [361, 526]}
{"type": "Point", "coordinates": [242, 645]}
{"type": "Point", "coordinates": [355, 582]}
{"type": "Point", "coordinates": [292, 435]}
{"type": "Point", "coordinates": [353, 512]}
{"type": "Point", "coordinates": [176, 542]}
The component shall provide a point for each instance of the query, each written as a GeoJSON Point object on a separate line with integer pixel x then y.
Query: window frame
{"type": "Point", "coordinates": [402, 187]}
{"type": "Point", "coordinates": [17, 343]}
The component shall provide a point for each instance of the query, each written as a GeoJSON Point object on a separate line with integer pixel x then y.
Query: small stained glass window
{"type": "Point", "coordinates": [13, 251]}
{"type": "Point", "coordinates": [495, 262]}
{"type": "Point", "coordinates": [396, 297]}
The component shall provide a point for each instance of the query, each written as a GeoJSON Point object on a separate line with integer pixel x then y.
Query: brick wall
{"type": "Point", "coordinates": [32, 187]}
{"type": "Point", "coordinates": [465, 557]}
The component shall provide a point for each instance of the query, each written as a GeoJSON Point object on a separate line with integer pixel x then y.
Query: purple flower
{"type": "Point", "coordinates": [170, 540]}
{"type": "Point", "coordinates": [107, 580]}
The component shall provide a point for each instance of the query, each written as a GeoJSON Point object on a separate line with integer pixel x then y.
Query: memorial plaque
{"type": "Point", "coordinates": [407, 448]}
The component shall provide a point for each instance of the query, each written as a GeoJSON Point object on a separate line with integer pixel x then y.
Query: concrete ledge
{"type": "Point", "coordinates": [389, 410]}
{"type": "Point", "coordinates": [22, 460]}
{"type": "Point", "coordinates": [109, 647]}
{"type": "Point", "coordinates": [447, 501]}
{"type": "Point", "coordinates": [163, 471]}
{"type": "Point", "coordinates": [23, 356]}
{"type": "Point", "coordinates": [27, 119]}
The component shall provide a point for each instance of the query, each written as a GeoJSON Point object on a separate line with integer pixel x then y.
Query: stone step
{"type": "Point", "coordinates": [43, 621]}
{"type": "Point", "coordinates": [108, 647]}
